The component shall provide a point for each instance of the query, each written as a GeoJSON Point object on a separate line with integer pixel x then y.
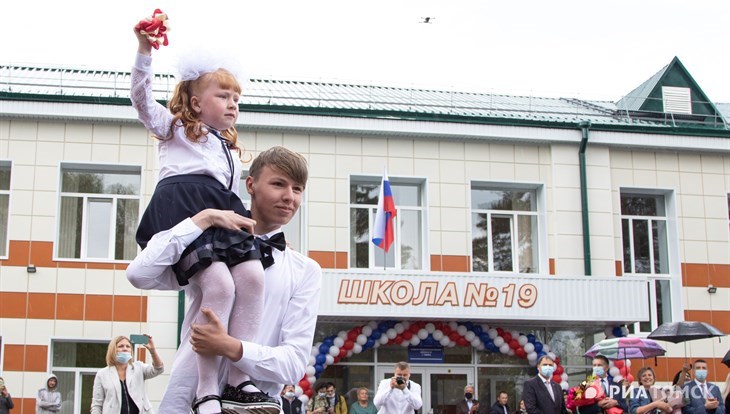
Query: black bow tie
{"type": "Point", "coordinates": [276, 241]}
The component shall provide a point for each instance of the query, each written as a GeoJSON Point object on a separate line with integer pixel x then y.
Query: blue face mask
{"type": "Point", "coordinates": [598, 371]}
{"type": "Point", "coordinates": [701, 374]}
{"type": "Point", "coordinates": [547, 371]}
{"type": "Point", "coordinates": [123, 357]}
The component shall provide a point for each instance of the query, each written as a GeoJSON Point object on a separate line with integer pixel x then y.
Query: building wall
{"type": "Point", "coordinates": [94, 301]}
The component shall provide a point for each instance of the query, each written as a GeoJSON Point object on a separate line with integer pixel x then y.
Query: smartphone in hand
{"type": "Point", "coordinates": [139, 339]}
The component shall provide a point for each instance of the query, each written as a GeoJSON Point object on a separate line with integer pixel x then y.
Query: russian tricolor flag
{"type": "Point", "coordinates": [383, 233]}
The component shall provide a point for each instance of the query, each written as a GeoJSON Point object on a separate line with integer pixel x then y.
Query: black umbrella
{"type": "Point", "coordinates": [726, 359]}
{"type": "Point", "coordinates": [677, 332]}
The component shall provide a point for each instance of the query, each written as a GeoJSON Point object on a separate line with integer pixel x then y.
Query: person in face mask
{"type": "Point", "coordinates": [540, 393]}
{"type": "Point", "coordinates": [119, 388]}
{"type": "Point", "coordinates": [469, 404]}
{"type": "Point", "coordinates": [614, 393]}
{"type": "Point", "coordinates": [319, 403]}
{"type": "Point", "coordinates": [704, 397]}
{"type": "Point", "coordinates": [290, 404]}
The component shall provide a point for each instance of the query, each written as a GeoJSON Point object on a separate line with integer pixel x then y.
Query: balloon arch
{"type": "Point", "coordinates": [405, 333]}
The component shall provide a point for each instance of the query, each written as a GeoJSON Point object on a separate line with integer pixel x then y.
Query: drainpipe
{"type": "Point", "coordinates": [180, 313]}
{"type": "Point", "coordinates": [584, 127]}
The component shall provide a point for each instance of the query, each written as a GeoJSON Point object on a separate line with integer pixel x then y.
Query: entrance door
{"type": "Point", "coordinates": [441, 387]}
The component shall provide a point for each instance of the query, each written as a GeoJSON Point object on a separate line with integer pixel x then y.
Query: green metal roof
{"type": "Point", "coordinates": [358, 100]}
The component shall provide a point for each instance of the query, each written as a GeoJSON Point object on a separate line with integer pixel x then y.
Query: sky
{"type": "Point", "coordinates": [589, 49]}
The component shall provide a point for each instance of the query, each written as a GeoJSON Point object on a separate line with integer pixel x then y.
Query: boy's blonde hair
{"type": "Point", "coordinates": [291, 163]}
{"type": "Point", "coordinates": [111, 350]}
{"type": "Point", "coordinates": [179, 104]}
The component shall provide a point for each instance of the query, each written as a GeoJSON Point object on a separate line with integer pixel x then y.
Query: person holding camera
{"type": "Point", "coordinates": [319, 403]}
{"type": "Point", "coordinates": [6, 402]}
{"type": "Point", "coordinates": [398, 395]}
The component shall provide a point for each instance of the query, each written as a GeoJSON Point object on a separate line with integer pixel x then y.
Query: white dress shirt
{"type": "Point", "coordinates": [390, 400]}
{"type": "Point", "coordinates": [281, 351]}
{"type": "Point", "coordinates": [178, 155]}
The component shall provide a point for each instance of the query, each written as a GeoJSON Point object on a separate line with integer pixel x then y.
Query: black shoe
{"type": "Point", "coordinates": [199, 401]}
{"type": "Point", "coordinates": [234, 398]}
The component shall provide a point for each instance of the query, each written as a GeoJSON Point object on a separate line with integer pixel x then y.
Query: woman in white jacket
{"type": "Point", "coordinates": [119, 388]}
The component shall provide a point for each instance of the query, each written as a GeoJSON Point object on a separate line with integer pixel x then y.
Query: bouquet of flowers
{"type": "Point", "coordinates": [589, 392]}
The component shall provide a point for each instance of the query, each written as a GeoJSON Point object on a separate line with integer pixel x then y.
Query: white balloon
{"type": "Point", "coordinates": [522, 340]}
{"type": "Point", "coordinates": [312, 360]}
{"type": "Point", "coordinates": [532, 362]}
{"type": "Point", "coordinates": [361, 339]}
{"type": "Point", "coordinates": [315, 349]}
{"type": "Point", "coordinates": [492, 333]}
{"type": "Point", "coordinates": [451, 344]}
{"type": "Point", "coordinates": [406, 343]}
{"type": "Point", "coordinates": [356, 349]}
{"type": "Point", "coordinates": [511, 352]}
{"type": "Point", "coordinates": [430, 328]}
{"type": "Point", "coordinates": [504, 348]}
{"type": "Point", "coordinates": [614, 372]}
{"type": "Point", "coordinates": [330, 359]}
{"type": "Point", "coordinates": [610, 363]}
{"type": "Point", "coordinates": [304, 399]}
{"type": "Point", "coordinates": [298, 390]}
{"type": "Point", "coordinates": [551, 355]}
{"type": "Point", "coordinates": [529, 348]}
{"type": "Point", "coordinates": [445, 341]}
{"type": "Point", "coordinates": [334, 351]}
{"type": "Point", "coordinates": [564, 377]}
{"type": "Point", "coordinates": [470, 336]}
{"type": "Point", "coordinates": [373, 324]}
{"type": "Point", "coordinates": [461, 330]}
{"type": "Point", "coordinates": [476, 342]}
{"type": "Point", "coordinates": [312, 380]}
{"type": "Point", "coordinates": [564, 385]}
{"type": "Point", "coordinates": [310, 370]}
{"type": "Point", "coordinates": [532, 356]}
{"type": "Point", "coordinates": [339, 342]}
{"type": "Point", "coordinates": [383, 339]}
{"type": "Point", "coordinates": [453, 325]}
{"type": "Point", "coordinates": [399, 328]}
{"type": "Point", "coordinates": [515, 334]}
{"type": "Point", "coordinates": [485, 327]}
{"type": "Point", "coordinates": [391, 333]}
{"type": "Point", "coordinates": [545, 348]}
{"type": "Point", "coordinates": [618, 378]}
{"type": "Point", "coordinates": [481, 347]}
{"type": "Point", "coordinates": [367, 330]}
{"type": "Point", "coordinates": [437, 334]}
{"type": "Point", "coordinates": [415, 340]}
{"type": "Point", "coordinates": [422, 334]}
{"type": "Point", "coordinates": [342, 334]}
{"type": "Point", "coordinates": [377, 344]}
{"type": "Point", "coordinates": [498, 341]}
{"type": "Point", "coordinates": [624, 330]}
{"type": "Point", "coordinates": [349, 353]}
{"type": "Point", "coordinates": [628, 363]}
{"type": "Point", "coordinates": [406, 324]}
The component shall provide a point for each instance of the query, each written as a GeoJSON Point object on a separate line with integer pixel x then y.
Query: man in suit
{"type": "Point", "coordinates": [500, 406]}
{"type": "Point", "coordinates": [540, 393]}
{"type": "Point", "coordinates": [468, 405]}
{"type": "Point", "coordinates": [613, 391]}
{"type": "Point", "coordinates": [704, 397]}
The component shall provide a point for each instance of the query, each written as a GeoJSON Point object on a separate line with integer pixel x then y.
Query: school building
{"type": "Point", "coordinates": [525, 225]}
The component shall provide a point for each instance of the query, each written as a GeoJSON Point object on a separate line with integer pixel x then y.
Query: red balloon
{"type": "Point", "coordinates": [349, 344]}
{"type": "Point", "coordinates": [507, 337]}
{"type": "Point", "coordinates": [557, 378]}
{"type": "Point", "coordinates": [500, 331]}
{"type": "Point", "coordinates": [446, 330]}
{"type": "Point", "coordinates": [623, 370]}
{"type": "Point", "coordinates": [407, 335]}
{"type": "Point", "coordinates": [304, 384]}
{"type": "Point", "coordinates": [521, 353]}
{"type": "Point", "coordinates": [352, 335]}
{"type": "Point", "coordinates": [414, 328]}
{"type": "Point", "coordinates": [454, 336]}
{"type": "Point", "coordinates": [398, 339]}
{"type": "Point", "coordinates": [630, 378]}
{"type": "Point", "coordinates": [559, 370]}
{"type": "Point", "coordinates": [618, 363]}
{"type": "Point", "coordinates": [557, 360]}
{"type": "Point", "coordinates": [309, 392]}
{"type": "Point", "coordinates": [358, 330]}
{"type": "Point", "coordinates": [462, 341]}
{"type": "Point", "coordinates": [343, 353]}
{"type": "Point", "coordinates": [514, 344]}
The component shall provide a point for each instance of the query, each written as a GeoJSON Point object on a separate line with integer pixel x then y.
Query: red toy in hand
{"type": "Point", "coordinates": [155, 28]}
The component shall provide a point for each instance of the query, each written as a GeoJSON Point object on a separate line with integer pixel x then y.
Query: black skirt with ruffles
{"type": "Point", "coordinates": [179, 197]}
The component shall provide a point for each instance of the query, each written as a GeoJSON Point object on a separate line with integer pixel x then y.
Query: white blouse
{"type": "Point", "coordinates": [179, 155]}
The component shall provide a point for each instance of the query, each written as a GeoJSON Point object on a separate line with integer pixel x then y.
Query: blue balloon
{"type": "Point", "coordinates": [477, 329]}
{"type": "Point", "coordinates": [484, 338]}
{"type": "Point", "coordinates": [538, 347]}
{"type": "Point", "coordinates": [329, 341]}
{"type": "Point", "coordinates": [383, 326]}
{"type": "Point", "coordinates": [531, 338]}
{"type": "Point", "coordinates": [318, 369]}
{"type": "Point", "coordinates": [541, 354]}
{"type": "Point", "coordinates": [376, 334]}
{"type": "Point", "coordinates": [321, 359]}
{"type": "Point", "coordinates": [617, 332]}
{"type": "Point", "coordinates": [468, 325]}
{"type": "Point", "coordinates": [369, 344]}
{"type": "Point", "coordinates": [324, 348]}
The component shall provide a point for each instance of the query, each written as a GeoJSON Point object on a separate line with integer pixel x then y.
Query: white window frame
{"type": "Point", "coordinates": [6, 226]}
{"type": "Point", "coordinates": [674, 275]}
{"type": "Point", "coordinates": [301, 212]}
{"type": "Point", "coordinates": [95, 167]}
{"type": "Point", "coordinates": [422, 182]}
{"type": "Point", "coordinates": [77, 371]}
{"type": "Point", "coordinates": [540, 213]}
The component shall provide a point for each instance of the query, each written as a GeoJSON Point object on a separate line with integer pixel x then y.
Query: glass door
{"type": "Point", "coordinates": [441, 387]}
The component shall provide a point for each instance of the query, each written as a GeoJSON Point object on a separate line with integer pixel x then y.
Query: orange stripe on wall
{"type": "Point", "coordinates": [13, 304]}
{"type": "Point", "coordinates": [25, 358]}
{"type": "Point", "coordinates": [619, 268]}
{"type": "Point", "coordinates": [40, 254]}
{"type": "Point", "coordinates": [450, 263]}
{"type": "Point", "coordinates": [702, 275]}
{"type": "Point", "coordinates": [551, 266]}
{"type": "Point", "coordinates": [24, 405]}
{"type": "Point", "coordinates": [330, 260]}
{"type": "Point", "coordinates": [66, 306]}
{"type": "Point", "coordinates": [718, 319]}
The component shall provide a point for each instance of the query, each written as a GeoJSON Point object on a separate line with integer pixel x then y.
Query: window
{"type": "Point", "coordinates": [408, 247]}
{"type": "Point", "coordinates": [75, 363]}
{"type": "Point", "coordinates": [292, 231]}
{"type": "Point", "coordinates": [645, 231]}
{"type": "Point", "coordinates": [99, 212]}
{"type": "Point", "coordinates": [4, 206]}
{"type": "Point", "coordinates": [505, 229]}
